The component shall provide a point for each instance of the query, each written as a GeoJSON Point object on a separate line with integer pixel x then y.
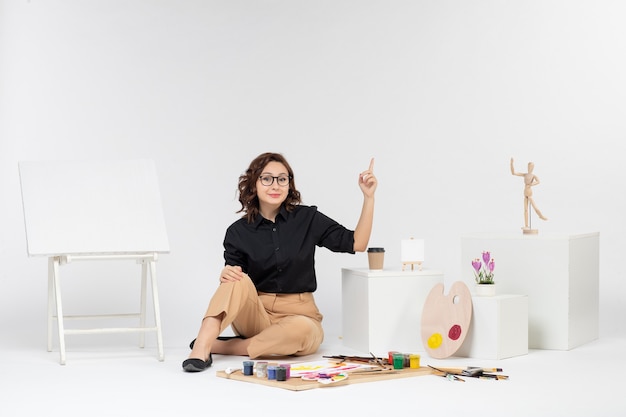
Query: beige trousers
{"type": "Point", "coordinates": [276, 324]}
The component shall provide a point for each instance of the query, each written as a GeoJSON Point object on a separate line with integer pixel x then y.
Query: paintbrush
{"type": "Point", "coordinates": [373, 360]}
{"type": "Point", "coordinates": [358, 359]}
{"type": "Point", "coordinates": [378, 371]}
{"type": "Point", "coordinates": [378, 361]}
{"type": "Point", "coordinates": [447, 375]}
{"type": "Point", "coordinates": [493, 376]}
{"type": "Point", "coordinates": [471, 369]}
{"type": "Point", "coordinates": [474, 372]}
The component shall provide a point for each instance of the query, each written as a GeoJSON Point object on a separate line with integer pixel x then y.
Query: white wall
{"type": "Point", "coordinates": [441, 93]}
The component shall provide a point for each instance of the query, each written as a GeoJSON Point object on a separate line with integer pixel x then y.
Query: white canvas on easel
{"type": "Point", "coordinates": [94, 210]}
{"type": "Point", "coordinates": [75, 207]}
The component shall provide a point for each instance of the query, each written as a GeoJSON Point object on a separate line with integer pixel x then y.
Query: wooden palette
{"type": "Point", "coordinates": [298, 384]}
{"type": "Point", "coordinates": [446, 319]}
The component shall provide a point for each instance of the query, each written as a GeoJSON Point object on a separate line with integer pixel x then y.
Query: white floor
{"type": "Point", "coordinates": [127, 381]}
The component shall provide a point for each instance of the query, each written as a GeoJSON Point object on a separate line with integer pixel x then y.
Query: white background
{"type": "Point", "coordinates": [441, 93]}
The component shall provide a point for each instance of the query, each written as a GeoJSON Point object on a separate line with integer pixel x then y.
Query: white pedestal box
{"type": "Point", "coordinates": [558, 273]}
{"type": "Point", "coordinates": [382, 310]}
{"type": "Point", "coordinates": [499, 328]}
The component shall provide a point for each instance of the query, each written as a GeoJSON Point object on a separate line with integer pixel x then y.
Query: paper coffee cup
{"type": "Point", "coordinates": [376, 258]}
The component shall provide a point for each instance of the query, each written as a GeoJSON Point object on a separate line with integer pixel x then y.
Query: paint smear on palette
{"type": "Point", "coordinates": [455, 332]}
{"type": "Point", "coordinates": [434, 341]}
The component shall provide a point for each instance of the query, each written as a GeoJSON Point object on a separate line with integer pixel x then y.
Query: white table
{"type": "Point", "coordinates": [499, 328]}
{"type": "Point", "coordinates": [558, 272]}
{"type": "Point", "coordinates": [382, 309]}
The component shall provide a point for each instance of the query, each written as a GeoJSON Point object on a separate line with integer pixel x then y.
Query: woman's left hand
{"type": "Point", "coordinates": [367, 181]}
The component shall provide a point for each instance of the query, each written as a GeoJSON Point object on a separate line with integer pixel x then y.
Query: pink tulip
{"type": "Point", "coordinates": [476, 264]}
{"type": "Point", "coordinates": [492, 265]}
{"type": "Point", "coordinates": [486, 257]}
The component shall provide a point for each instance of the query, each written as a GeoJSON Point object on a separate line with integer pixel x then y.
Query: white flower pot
{"type": "Point", "coordinates": [485, 290]}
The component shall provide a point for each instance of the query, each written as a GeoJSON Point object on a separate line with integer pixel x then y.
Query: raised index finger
{"type": "Point", "coordinates": [371, 168]}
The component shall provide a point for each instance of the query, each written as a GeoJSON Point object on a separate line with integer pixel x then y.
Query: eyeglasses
{"type": "Point", "coordinates": [268, 180]}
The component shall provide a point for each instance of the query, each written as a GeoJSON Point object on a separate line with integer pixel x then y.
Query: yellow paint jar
{"type": "Point", "coordinates": [414, 361]}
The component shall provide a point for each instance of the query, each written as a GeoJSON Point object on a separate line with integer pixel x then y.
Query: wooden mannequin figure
{"type": "Point", "coordinates": [530, 180]}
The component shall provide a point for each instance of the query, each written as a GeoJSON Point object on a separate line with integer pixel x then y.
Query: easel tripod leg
{"type": "Point", "coordinates": [142, 305]}
{"type": "Point", "coordinates": [59, 307]}
{"type": "Point", "coordinates": [157, 309]}
{"type": "Point", "coordinates": [51, 301]}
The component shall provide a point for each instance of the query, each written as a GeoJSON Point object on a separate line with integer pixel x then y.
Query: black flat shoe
{"type": "Point", "coordinates": [219, 338]}
{"type": "Point", "coordinates": [197, 365]}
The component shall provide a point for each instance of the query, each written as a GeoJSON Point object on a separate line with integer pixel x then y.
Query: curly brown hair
{"type": "Point", "coordinates": [247, 185]}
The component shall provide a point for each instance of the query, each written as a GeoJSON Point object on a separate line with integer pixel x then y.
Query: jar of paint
{"type": "Point", "coordinates": [414, 360]}
{"type": "Point", "coordinates": [271, 371]}
{"type": "Point", "coordinates": [248, 368]}
{"type": "Point", "coordinates": [390, 353]}
{"type": "Point", "coordinates": [287, 367]}
{"type": "Point", "coordinates": [261, 369]}
{"type": "Point", "coordinates": [398, 360]}
{"type": "Point", "coordinates": [281, 373]}
{"type": "Point", "coordinates": [407, 360]}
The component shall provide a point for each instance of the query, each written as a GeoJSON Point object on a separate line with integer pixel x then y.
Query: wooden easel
{"type": "Point", "coordinates": [95, 211]}
{"type": "Point", "coordinates": [418, 263]}
{"type": "Point", "coordinates": [412, 253]}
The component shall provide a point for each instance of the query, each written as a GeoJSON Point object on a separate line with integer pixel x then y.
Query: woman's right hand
{"type": "Point", "coordinates": [231, 273]}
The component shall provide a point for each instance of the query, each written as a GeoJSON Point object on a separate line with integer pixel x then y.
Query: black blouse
{"type": "Point", "coordinates": [280, 257]}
